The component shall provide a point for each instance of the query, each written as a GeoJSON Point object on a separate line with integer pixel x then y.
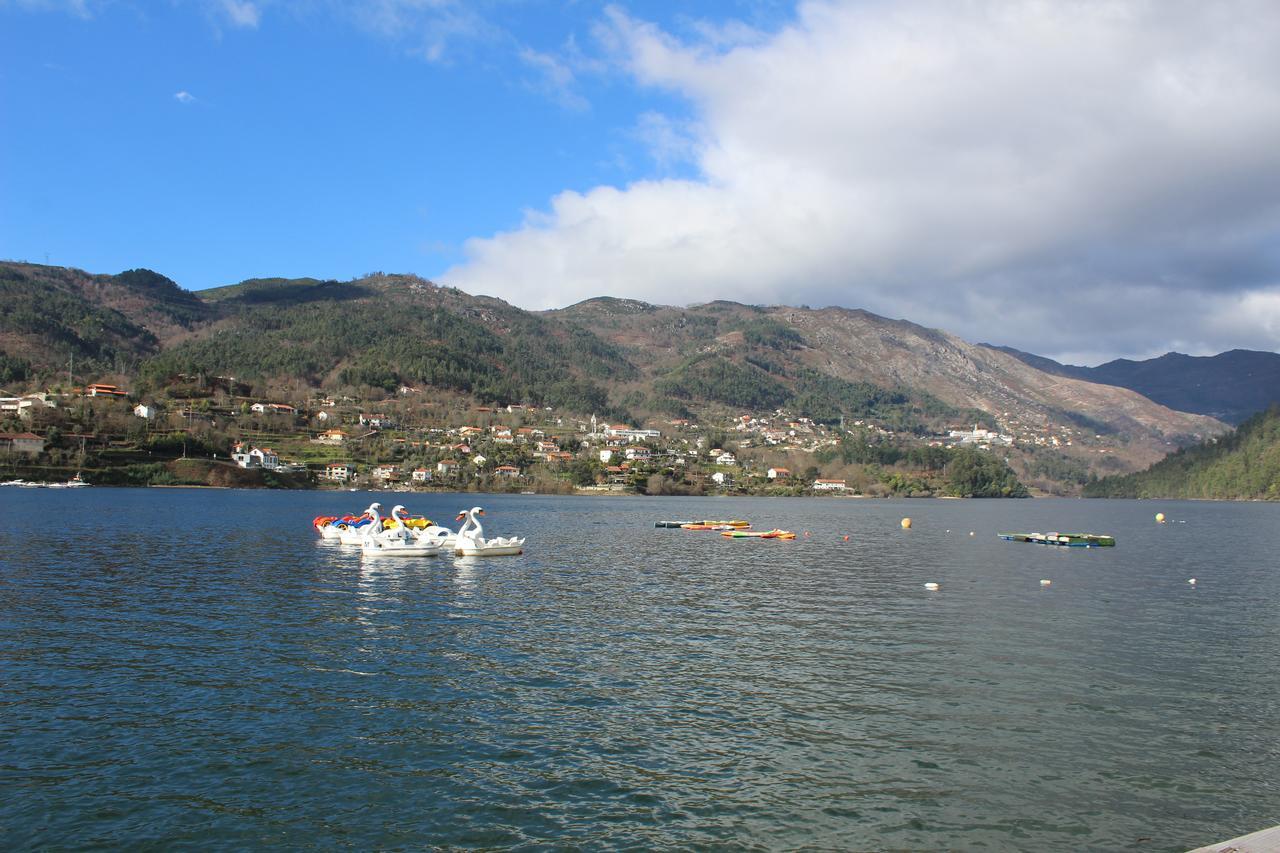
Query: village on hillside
{"type": "Point", "coordinates": [212, 431]}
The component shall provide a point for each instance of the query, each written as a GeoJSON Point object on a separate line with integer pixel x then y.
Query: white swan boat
{"type": "Point", "coordinates": [399, 541]}
{"type": "Point", "coordinates": [471, 541]}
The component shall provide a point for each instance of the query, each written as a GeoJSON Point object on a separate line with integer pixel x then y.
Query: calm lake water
{"type": "Point", "coordinates": [194, 668]}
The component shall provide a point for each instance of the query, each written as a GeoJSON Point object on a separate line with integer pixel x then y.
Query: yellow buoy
{"type": "Point", "coordinates": [906, 524]}
{"type": "Point", "coordinates": [1159, 518]}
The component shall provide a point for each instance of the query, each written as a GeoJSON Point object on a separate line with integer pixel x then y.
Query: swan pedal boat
{"type": "Point", "coordinates": [471, 542]}
{"type": "Point", "coordinates": [400, 539]}
{"type": "Point", "coordinates": [759, 534]}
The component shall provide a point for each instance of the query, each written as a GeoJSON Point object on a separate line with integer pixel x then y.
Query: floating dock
{"type": "Point", "coordinates": [1070, 540]}
{"type": "Point", "coordinates": [1262, 841]}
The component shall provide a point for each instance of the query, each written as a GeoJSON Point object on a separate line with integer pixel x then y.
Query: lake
{"type": "Point", "coordinates": [195, 668]}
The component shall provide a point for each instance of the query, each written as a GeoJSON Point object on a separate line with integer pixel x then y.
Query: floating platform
{"type": "Point", "coordinates": [1262, 841]}
{"type": "Point", "coordinates": [1069, 540]}
{"type": "Point", "coordinates": [704, 525]}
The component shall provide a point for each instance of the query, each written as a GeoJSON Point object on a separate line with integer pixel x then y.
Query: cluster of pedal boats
{"type": "Point", "coordinates": [402, 535]}
{"type": "Point", "coordinates": [733, 529]}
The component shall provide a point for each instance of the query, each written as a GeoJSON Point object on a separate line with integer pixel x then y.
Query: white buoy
{"type": "Point", "coordinates": [1191, 581]}
{"type": "Point", "coordinates": [1159, 518]}
{"type": "Point", "coordinates": [931, 585]}
{"type": "Point", "coordinates": [970, 532]}
{"type": "Point", "coordinates": [1045, 582]}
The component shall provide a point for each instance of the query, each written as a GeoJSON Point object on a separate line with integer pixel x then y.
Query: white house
{"type": "Point", "coordinates": [447, 467]}
{"type": "Point", "coordinates": [143, 410]}
{"type": "Point", "coordinates": [273, 409]}
{"type": "Point", "coordinates": [339, 473]}
{"type": "Point", "coordinates": [421, 475]}
{"type": "Point", "coordinates": [606, 456]}
{"type": "Point", "coordinates": [507, 471]}
{"type": "Point", "coordinates": [386, 472]}
{"type": "Point", "coordinates": [829, 485]}
{"type": "Point", "coordinates": [331, 436]}
{"type": "Point", "coordinates": [638, 454]}
{"type": "Point", "coordinates": [255, 457]}
{"type": "Point", "coordinates": [625, 432]}
{"type": "Point", "coordinates": [726, 458]}
{"type": "Point", "coordinates": [720, 478]}
{"type": "Point", "coordinates": [778, 473]}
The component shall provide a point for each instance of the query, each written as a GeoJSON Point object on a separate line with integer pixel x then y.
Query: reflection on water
{"type": "Point", "coordinates": [175, 671]}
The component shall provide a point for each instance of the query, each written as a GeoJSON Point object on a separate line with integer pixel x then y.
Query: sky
{"type": "Point", "coordinates": [1083, 180]}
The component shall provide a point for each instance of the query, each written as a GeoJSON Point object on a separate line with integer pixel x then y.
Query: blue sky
{"type": "Point", "coordinates": [307, 140]}
{"type": "Point", "coordinates": [992, 168]}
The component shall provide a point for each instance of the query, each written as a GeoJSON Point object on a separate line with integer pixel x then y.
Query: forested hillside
{"type": "Point", "coordinates": [383, 332]}
{"type": "Point", "coordinates": [1244, 464]}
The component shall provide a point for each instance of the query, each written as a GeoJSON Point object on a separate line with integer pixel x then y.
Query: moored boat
{"type": "Point", "coordinates": [759, 534]}
{"type": "Point", "coordinates": [1070, 540]}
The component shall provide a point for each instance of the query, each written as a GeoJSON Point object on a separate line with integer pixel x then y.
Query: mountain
{"type": "Point", "coordinates": [1229, 386]}
{"type": "Point", "coordinates": [618, 358]}
{"type": "Point", "coordinates": [50, 316]}
{"type": "Point", "coordinates": [837, 359]}
{"type": "Point", "coordinates": [1244, 464]}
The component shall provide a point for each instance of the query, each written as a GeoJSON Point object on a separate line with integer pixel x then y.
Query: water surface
{"type": "Point", "coordinates": [193, 667]}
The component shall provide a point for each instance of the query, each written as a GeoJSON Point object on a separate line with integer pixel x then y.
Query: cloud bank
{"type": "Point", "coordinates": [1082, 179]}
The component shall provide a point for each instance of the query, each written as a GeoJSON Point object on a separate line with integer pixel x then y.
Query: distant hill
{"type": "Point", "coordinates": [1242, 465]}
{"type": "Point", "coordinates": [1229, 386]}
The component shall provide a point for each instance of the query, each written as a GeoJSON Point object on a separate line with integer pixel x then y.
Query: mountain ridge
{"type": "Point", "coordinates": [620, 358]}
{"type": "Point", "coordinates": [1230, 386]}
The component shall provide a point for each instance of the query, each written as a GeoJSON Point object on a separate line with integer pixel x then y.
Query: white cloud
{"type": "Point", "coordinates": [241, 13]}
{"type": "Point", "coordinates": [79, 8]}
{"type": "Point", "coordinates": [555, 78]}
{"type": "Point", "coordinates": [432, 28]}
{"type": "Point", "coordinates": [1063, 177]}
{"type": "Point", "coordinates": [184, 97]}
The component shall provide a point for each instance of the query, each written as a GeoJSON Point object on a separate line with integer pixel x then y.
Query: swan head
{"type": "Point", "coordinates": [397, 508]}
{"type": "Point", "coordinates": [460, 516]}
{"type": "Point", "coordinates": [477, 510]}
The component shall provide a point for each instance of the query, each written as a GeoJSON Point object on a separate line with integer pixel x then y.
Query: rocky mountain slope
{"type": "Point", "coordinates": [859, 347]}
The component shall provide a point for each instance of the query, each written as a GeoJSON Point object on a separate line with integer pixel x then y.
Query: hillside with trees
{"type": "Point", "coordinates": [1241, 465]}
